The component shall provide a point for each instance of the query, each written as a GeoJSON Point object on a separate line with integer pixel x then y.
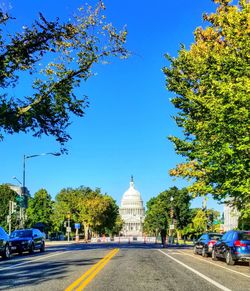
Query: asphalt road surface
{"type": "Point", "coordinates": [120, 267]}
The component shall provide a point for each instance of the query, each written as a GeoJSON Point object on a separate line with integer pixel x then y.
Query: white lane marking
{"type": "Point", "coordinates": [35, 260]}
{"type": "Point", "coordinates": [245, 275]}
{"type": "Point", "coordinates": [218, 285]}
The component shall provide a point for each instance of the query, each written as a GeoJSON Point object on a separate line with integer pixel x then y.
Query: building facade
{"type": "Point", "coordinates": [231, 218]}
{"type": "Point", "coordinates": [132, 211]}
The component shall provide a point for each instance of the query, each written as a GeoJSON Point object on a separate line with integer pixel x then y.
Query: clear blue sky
{"type": "Point", "coordinates": [125, 129]}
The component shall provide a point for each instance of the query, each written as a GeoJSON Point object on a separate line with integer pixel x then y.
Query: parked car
{"type": "Point", "coordinates": [233, 246]}
{"type": "Point", "coordinates": [27, 240]}
{"type": "Point", "coordinates": [4, 244]}
{"type": "Point", "coordinates": [204, 244]}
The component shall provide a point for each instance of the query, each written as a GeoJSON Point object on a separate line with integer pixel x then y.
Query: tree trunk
{"type": "Point", "coordinates": [163, 237]}
{"type": "Point", "coordinates": [86, 232]}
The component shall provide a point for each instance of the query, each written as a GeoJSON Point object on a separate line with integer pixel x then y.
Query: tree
{"type": "Point", "coordinates": [158, 216]}
{"type": "Point", "coordinates": [70, 51]}
{"type": "Point", "coordinates": [202, 220]}
{"type": "Point", "coordinates": [181, 205]}
{"type": "Point", "coordinates": [95, 211]}
{"type": "Point", "coordinates": [98, 213]}
{"type": "Point", "coordinates": [213, 220]}
{"type": "Point", "coordinates": [244, 219]}
{"type": "Point", "coordinates": [116, 229]}
{"type": "Point", "coordinates": [40, 209]}
{"type": "Point", "coordinates": [6, 195]}
{"type": "Point", "coordinates": [68, 201]}
{"type": "Point", "coordinates": [211, 82]}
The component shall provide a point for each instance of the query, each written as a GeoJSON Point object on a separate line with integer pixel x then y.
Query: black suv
{"type": "Point", "coordinates": [27, 240]}
{"type": "Point", "coordinates": [4, 244]}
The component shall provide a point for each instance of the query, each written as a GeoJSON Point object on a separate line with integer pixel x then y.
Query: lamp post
{"type": "Point", "coordinates": [22, 209]}
{"type": "Point", "coordinates": [171, 215]}
{"type": "Point", "coordinates": [68, 228]}
{"type": "Point", "coordinates": [204, 209]}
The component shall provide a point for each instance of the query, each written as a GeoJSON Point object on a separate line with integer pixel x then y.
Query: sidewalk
{"type": "Point", "coordinates": [60, 242]}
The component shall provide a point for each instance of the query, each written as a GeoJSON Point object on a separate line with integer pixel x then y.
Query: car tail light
{"type": "Point", "coordinates": [211, 243]}
{"type": "Point", "coordinates": [238, 243]}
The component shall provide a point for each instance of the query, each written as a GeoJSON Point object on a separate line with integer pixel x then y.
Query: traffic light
{"type": "Point", "coordinates": [22, 201]}
{"type": "Point", "coordinates": [25, 202]}
{"type": "Point", "coordinates": [19, 200]}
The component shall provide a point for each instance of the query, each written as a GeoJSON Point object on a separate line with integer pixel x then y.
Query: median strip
{"type": "Point", "coordinates": [87, 277]}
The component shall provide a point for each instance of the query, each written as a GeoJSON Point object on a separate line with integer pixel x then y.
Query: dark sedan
{"type": "Point", "coordinates": [27, 240]}
{"type": "Point", "coordinates": [4, 244]}
{"type": "Point", "coordinates": [204, 244]}
{"type": "Point", "coordinates": [234, 246]}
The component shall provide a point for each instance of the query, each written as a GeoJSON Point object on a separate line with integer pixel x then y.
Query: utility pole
{"type": "Point", "coordinates": [172, 221]}
{"type": "Point", "coordinates": [68, 228]}
{"type": "Point", "coordinates": [24, 192]}
{"type": "Point", "coordinates": [204, 208]}
{"type": "Point", "coordinates": [9, 216]}
{"type": "Point", "coordinates": [12, 209]}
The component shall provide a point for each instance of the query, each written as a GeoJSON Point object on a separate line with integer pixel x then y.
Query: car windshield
{"type": "Point", "coordinates": [215, 236]}
{"type": "Point", "coordinates": [21, 233]}
{"type": "Point", "coordinates": [244, 236]}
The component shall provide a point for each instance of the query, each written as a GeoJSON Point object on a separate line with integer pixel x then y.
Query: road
{"type": "Point", "coordinates": [120, 267]}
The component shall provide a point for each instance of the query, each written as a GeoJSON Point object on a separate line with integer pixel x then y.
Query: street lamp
{"type": "Point", "coordinates": [171, 215]}
{"type": "Point", "coordinates": [24, 187]}
{"type": "Point", "coordinates": [15, 178]}
{"type": "Point", "coordinates": [68, 227]}
{"type": "Point", "coordinates": [33, 156]}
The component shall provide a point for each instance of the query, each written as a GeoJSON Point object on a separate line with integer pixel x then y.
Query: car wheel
{"type": "Point", "coordinates": [195, 250]}
{"type": "Point", "coordinates": [42, 249]}
{"type": "Point", "coordinates": [203, 252]}
{"type": "Point", "coordinates": [229, 259]}
{"type": "Point", "coordinates": [214, 258]}
{"type": "Point", "coordinates": [6, 254]}
{"type": "Point", "coordinates": [31, 250]}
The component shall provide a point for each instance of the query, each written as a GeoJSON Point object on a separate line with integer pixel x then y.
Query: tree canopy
{"type": "Point", "coordinates": [212, 86]}
{"type": "Point", "coordinates": [40, 209]}
{"type": "Point", "coordinates": [202, 220]}
{"type": "Point", "coordinates": [6, 195]}
{"type": "Point", "coordinates": [158, 216]}
{"type": "Point", "coordinates": [54, 58]}
{"type": "Point", "coordinates": [95, 211]}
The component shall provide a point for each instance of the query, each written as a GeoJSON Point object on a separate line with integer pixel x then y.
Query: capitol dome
{"type": "Point", "coordinates": [132, 211]}
{"type": "Point", "coordinates": [131, 198]}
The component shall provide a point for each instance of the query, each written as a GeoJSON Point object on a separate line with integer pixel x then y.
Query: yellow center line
{"type": "Point", "coordinates": [92, 270]}
{"type": "Point", "coordinates": [96, 271]}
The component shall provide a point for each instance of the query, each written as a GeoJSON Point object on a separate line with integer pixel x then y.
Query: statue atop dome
{"type": "Point", "coordinates": [132, 211]}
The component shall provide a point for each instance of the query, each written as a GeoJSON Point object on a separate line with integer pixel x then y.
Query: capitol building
{"type": "Point", "coordinates": [132, 211]}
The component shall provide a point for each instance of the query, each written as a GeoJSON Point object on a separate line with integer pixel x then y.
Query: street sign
{"type": "Point", "coordinates": [77, 225]}
{"type": "Point", "coordinates": [171, 226]}
{"type": "Point", "coordinates": [68, 229]}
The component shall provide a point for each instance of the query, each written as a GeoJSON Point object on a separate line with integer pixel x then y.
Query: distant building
{"type": "Point", "coordinates": [132, 212]}
{"type": "Point", "coordinates": [19, 190]}
{"type": "Point", "coordinates": [231, 217]}
{"type": "Point", "coordinates": [15, 188]}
